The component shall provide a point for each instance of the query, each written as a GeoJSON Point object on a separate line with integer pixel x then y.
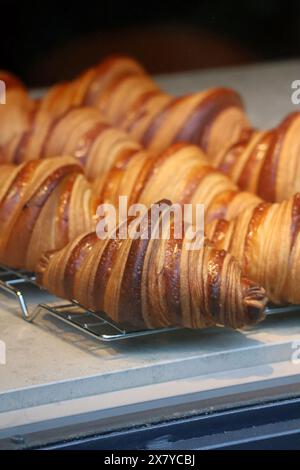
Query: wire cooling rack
{"type": "Point", "coordinates": [13, 282]}
{"type": "Point", "coordinates": [97, 325]}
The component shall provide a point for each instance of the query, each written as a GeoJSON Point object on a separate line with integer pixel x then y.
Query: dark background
{"type": "Point", "coordinates": [43, 42]}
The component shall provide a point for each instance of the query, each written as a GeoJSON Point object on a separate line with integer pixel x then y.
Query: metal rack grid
{"type": "Point", "coordinates": [10, 280]}
{"type": "Point", "coordinates": [95, 324]}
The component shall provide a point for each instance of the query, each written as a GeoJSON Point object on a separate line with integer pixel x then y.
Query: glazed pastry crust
{"type": "Point", "coordinates": [43, 205]}
{"type": "Point", "coordinates": [266, 163]}
{"type": "Point", "coordinates": [153, 282]}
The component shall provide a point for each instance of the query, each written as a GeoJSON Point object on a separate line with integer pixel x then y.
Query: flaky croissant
{"type": "Point", "coordinates": [266, 241]}
{"type": "Point", "coordinates": [153, 282]}
{"type": "Point", "coordinates": [43, 205]}
{"type": "Point", "coordinates": [265, 163]}
{"type": "Point", "coordinates": [128, 98]}
{"type": "Point", "coordinates": [180, 174]}
{"type": "Point", "coordinates": [131, 100]}
{"type": "Point", "coordinates": [80, 132]}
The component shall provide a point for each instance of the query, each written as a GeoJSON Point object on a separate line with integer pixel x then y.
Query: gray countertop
{"type": "Point", "coordinates": [54, 373]}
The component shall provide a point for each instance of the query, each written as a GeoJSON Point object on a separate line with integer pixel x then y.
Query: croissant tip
{"type": "Point", "coordinates": [255, 301]}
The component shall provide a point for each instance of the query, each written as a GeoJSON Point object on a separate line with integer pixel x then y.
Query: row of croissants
{"type": "Point", "coordinates": [112, 132]}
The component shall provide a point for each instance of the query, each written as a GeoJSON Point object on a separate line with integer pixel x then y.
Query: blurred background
{"type": "Point", "coordinates": [44, 42]}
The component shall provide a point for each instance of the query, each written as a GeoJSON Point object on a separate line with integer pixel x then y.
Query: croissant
{"type": "Point", "coordinates": [131, 100]}
{"type": "Point", "coordinates": [43, 205]}
{"type": "Point", "coordinates": [64, 205]}
{"type": "Point", "coordinates": [80, 132]}
{"type": "Point", "coordinates": [124, 167]}
{"type": "Point", "coordinates": [265, 163]}
{"type": "Point", "coordinates": [128, 98]}
{"type": "Point", "coordinates": [39, 115]}
{"type": "Point", "coordinates": [180, 175]}
{"type": "Point", "coordinates": [153, 282]}
{"type": "Point", "coordinates": [266, 241]}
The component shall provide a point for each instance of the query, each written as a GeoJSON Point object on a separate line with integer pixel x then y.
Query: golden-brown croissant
{"type": "Point", "coordinates": [265, 163]}
{"type": "Point", "coordinates": [80, 132]}
{"type": "Point", "coordinates": [65, 204]}
{"type": "Point", "coordinates": [266, 241]}
{"type": "Point", "coordinates": [32, 119]}
{"type": "Point", "coordinates": [43, 205]}
{"type": "Point", "coordinates": [128, 98]}
{"type": "Point", "coordinates": [153, 282]}
{"type": "Point", "coordinates": [180, 174]}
